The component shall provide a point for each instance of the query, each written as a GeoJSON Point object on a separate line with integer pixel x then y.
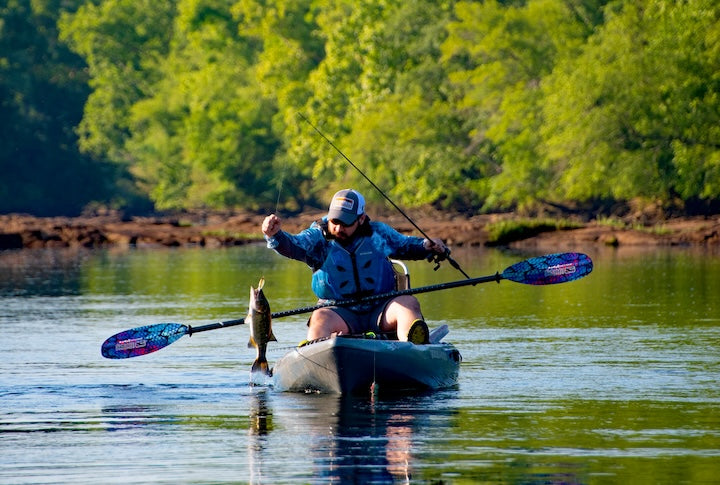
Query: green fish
{"type": "Point", "coordinates": [260, 327]}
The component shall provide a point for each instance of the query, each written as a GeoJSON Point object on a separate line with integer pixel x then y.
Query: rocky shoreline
{"type": "Point", "coordinates": [19, 231]}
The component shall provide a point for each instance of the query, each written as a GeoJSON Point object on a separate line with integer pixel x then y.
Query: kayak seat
{"type": "Point", "coordinates": [402, 275]}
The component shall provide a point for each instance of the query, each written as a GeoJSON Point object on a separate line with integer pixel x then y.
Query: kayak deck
{"type": "Point", "coordinates": [352, 365]}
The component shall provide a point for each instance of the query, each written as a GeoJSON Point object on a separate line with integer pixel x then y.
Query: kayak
{"type": "Point", "coordinates": [359, 365]}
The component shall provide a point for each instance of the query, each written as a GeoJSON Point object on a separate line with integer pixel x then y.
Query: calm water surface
{"type": "Point", "coordinates": [614, 378]}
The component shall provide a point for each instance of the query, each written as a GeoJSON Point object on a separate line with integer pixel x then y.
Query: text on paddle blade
{"type": "Point", "coordinates": [133, 343]}
{"type": "Point", "coordinates": [560, 269]}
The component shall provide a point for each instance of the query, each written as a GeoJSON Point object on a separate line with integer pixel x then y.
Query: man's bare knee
{"type": "Point", "coordinates": [400, 314]}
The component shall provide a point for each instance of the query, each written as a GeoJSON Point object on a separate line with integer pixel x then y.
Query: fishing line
{"type": "Point", "coordinates": [284, 348]}
{"type": "Point", "coordinates": [366, 177]}
{"type": "Point", "coordinates": [318, 364]}
{"type": "Point", "coordinates": [437, 260]}
{"type": "Point", "coordinates": [280, 187]}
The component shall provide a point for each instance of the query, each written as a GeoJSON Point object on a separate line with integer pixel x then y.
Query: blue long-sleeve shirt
{"type": "Point", "coordinates": [311, 247]}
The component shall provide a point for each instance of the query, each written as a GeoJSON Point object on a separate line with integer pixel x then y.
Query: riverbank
{"type": "Point", "coordinates": [230, 229]}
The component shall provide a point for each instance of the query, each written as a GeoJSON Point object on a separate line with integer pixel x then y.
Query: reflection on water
{"type": "Point", "coordinates": [260, 414]}
{"type": "Point", "coordinates": [365, 440]}
{"type": "Point", "coordinates": [41, 273]}
{"type": "Point", "coordinates": [261, 424]}
{"type": "Point", "coordinates": [348, 440]}
{"type": "Point", "coordinates": [611, 379]}
{"type": "Point", "coordinates": [358, 443]}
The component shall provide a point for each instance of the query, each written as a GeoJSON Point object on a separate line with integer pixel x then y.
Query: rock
{"type": "Point", "coordinates": [11, 240]}
{"type": "Point", "coordinates": [222, 229]}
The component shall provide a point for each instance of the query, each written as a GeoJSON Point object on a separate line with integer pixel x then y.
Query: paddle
{"type": "Point", "coordinates": [542, 270]}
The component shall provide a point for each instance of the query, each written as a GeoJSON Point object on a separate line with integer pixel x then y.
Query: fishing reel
{"type": "Point", "coordinates": [437, 258]}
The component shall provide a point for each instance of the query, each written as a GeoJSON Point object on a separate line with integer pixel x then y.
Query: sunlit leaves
{"type": "Point", "coordinates": [497, 57]}
{"type": "Point", "coordinates": [178, 101]}
{"type": "Point", "coordinates": [494, 104]}
{"type": "Point", "coordinates": [122, 42]}
{"type": "Point", "coordinates": [637, 113]}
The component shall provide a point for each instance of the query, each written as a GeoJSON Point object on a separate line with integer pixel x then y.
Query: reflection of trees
{"type": "Point", "coordinates": [41, 273]}
{"type": "Point", "coordinates": [126, 417]}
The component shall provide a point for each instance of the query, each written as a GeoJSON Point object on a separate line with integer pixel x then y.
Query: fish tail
{"type": "Point", "coordinates": [261, 365]}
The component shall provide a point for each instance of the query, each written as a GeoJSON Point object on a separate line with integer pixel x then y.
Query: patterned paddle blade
{"type": "Point", "coordinates": [142, 340]}
{"type": "Point", "coordinates": [550, 269]}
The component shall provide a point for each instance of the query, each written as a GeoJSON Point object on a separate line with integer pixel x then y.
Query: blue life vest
{"type": "Point", "coordinates": [358, 272]}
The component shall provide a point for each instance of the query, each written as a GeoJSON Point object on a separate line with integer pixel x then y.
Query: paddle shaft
{"type": "Point", "coordinates": [543, 270]}
{"type": "Point", "coordinates": [367, 299]}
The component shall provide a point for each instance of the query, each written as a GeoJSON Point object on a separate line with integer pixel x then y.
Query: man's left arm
{"type": "Point", "coordinates": [408, 247]}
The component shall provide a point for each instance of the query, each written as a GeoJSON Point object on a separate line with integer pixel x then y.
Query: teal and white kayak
{"type": "Point", "coordinates": [356, 365]}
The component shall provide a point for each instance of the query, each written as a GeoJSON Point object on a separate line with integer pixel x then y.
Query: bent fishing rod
{"type": "Point", "coordinates": [438, 258]}
{"type": "Point", "coordinates": [549, 269]}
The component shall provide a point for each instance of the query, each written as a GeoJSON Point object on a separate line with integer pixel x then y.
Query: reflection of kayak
{"type": "Point", "coordinates": [351, 365]}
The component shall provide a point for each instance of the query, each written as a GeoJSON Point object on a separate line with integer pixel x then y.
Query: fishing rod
{"type": "Point", "coordinates": [437, 258]}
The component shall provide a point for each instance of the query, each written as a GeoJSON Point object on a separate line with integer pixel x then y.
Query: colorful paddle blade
{"type": "Point", "coordinates": [142, 340]}
{"type": "Point", "coordinates": [550, 269]}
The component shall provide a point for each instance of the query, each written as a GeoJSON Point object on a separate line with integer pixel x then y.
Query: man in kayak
{"type": "Point", "coordinates": [349, 255]}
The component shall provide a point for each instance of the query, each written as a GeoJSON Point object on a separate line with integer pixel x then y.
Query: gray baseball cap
{"type": "Point", "coordinates": [346, 206]}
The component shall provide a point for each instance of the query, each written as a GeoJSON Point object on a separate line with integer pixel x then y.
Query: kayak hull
{"type": "Point", "coordinates": [347, 365]}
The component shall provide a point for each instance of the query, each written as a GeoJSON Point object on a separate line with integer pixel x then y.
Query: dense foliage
{"type": "Point", "coordinates": [462, 104]}
{"type": "Point", "coordinates": [42, 91]}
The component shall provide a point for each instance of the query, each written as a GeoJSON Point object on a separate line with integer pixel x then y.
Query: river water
{"type": "Point", "coordinates": [614, 378]}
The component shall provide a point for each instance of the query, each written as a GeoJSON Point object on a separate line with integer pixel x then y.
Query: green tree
{"type": "Point", "coordinates": [204, 139]}
{"type": "Point", "coordinates": [457, 103]}
{"type": "Point", "coordinates": [326, 98]}
{"type": "Point", "coordinates": [123, 43]}
{"type": "Point", "coordinates": [175, 98]}
{"type": "Point", "coordinates": [42, 91]}
{"type": "Point", "coordinates": [380, 94]}
{"type": "Point", "coordinates": [404, 126]}
{"type": "Point", "coordinates": [497, 57]}
{"type": "Point", "coordinates": [638, 113]}
{"type": "Point", "coordinates": [289, 48]}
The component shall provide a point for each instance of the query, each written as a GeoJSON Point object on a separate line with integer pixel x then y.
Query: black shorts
{"type": "Point", "coordinates": [362, 318]}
